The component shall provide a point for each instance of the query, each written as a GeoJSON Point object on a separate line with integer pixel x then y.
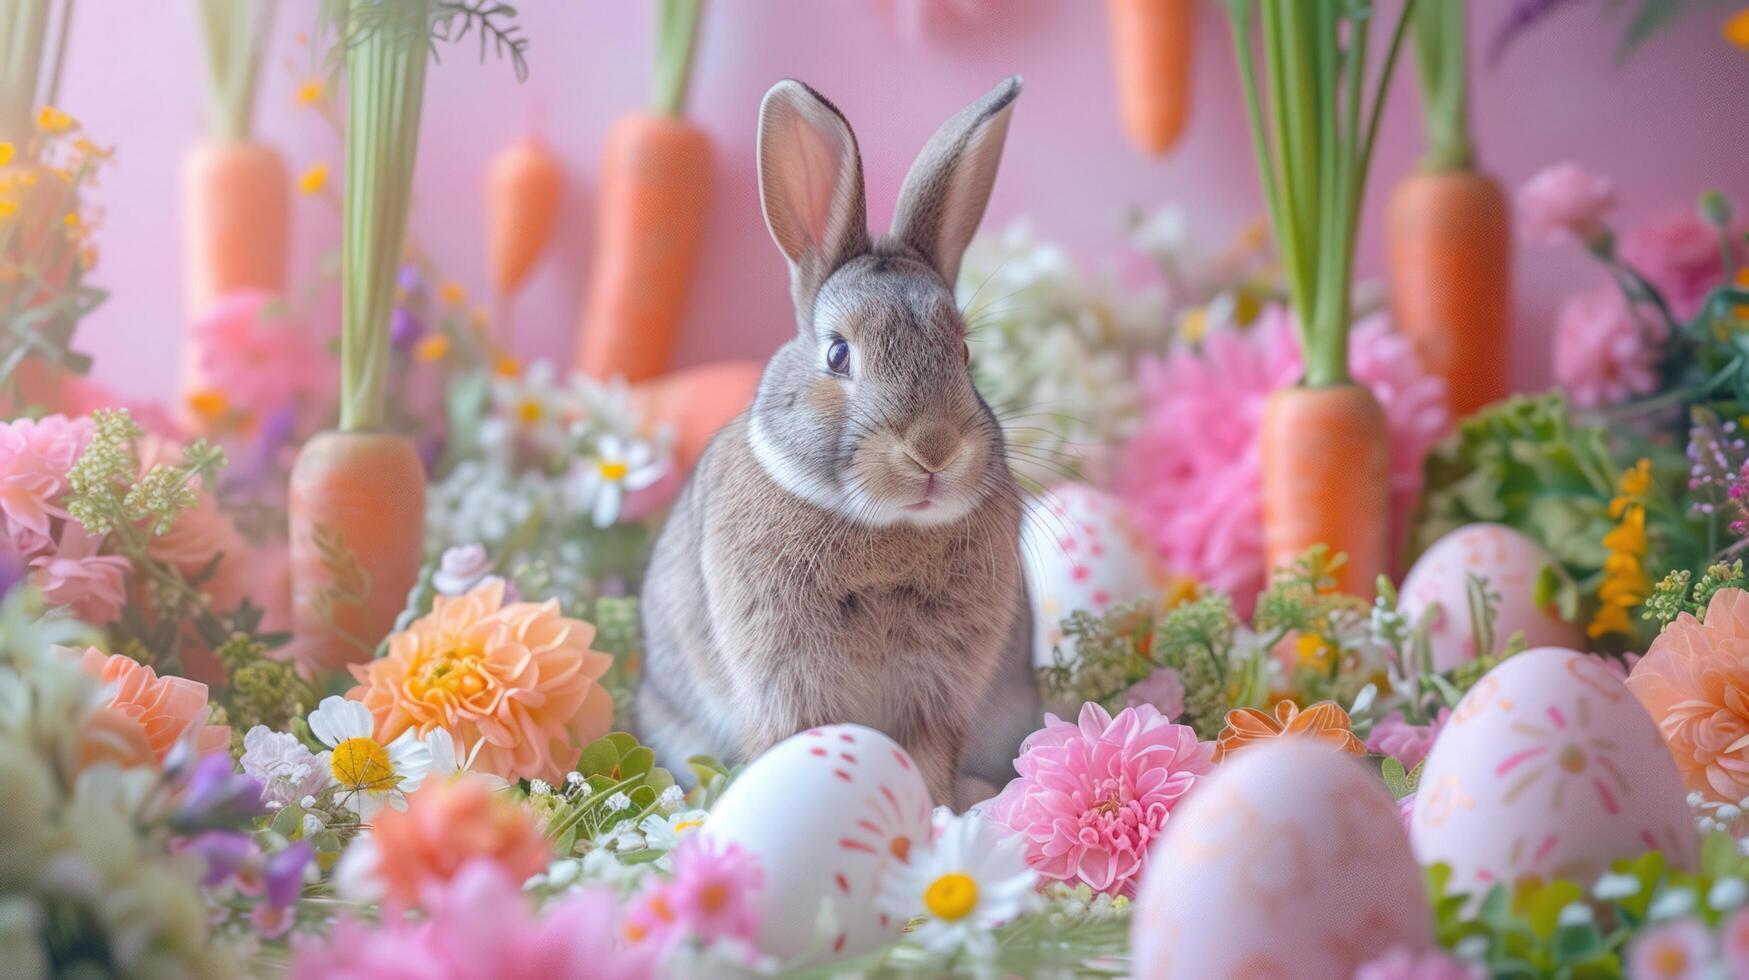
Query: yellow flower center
{"type": "Point", "coordinates": [951, 896]}
{"type": "Point", "coordinates": [529, 411]}
{"type": "Point", "coordinates": [455, 671]}
{"type": "Point", "coordinates": [612, 470]}
{"type": "Point", "coordinates": [432, 348]}
{"type": "Point", "coordinates": [363, 763]}
{"type": "Point", "coordinates": [1671, 961]}
{"type": "Point", "coordinates": [686, 825]}
{"type": "Point", "coordinates": [714, 897]}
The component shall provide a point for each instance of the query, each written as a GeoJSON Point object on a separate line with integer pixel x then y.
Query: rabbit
{"type": "Point", "coordinates": [848, 549]}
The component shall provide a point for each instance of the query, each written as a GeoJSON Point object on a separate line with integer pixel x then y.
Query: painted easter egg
{"type": "Point", "coordinates": [1548, 767]}
{"type": "Point", "coordinates": [1512, 563]}
{"type": "Point", "coordinates": [1081, 552]}
{"type": "Point", "coordinates": [1286, 861]}
{"type": "Point", "coordinates": [825, 812]}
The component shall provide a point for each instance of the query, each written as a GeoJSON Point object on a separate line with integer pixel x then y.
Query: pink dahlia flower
{"type": "Point", "coordinates": [1401, 964]}
{"type": "Point", "coordinates": [258, 357]}
{"type": "Point", "coordinates": [1163, 689]}
{"type": "Point", "coordinates": [1408, 744]}
{"type": "Point", "coordinates": [1563, 203]}
{"type": "Point", "coordinates": [1604, 355]}
{"type": "Point", "coordinates": [1194, 473]}
{"type": "Point", "coordinates": [1679, 253]}
{"type": "Point", "coordinates": [73, 574]}
{"type": "Point", "coordinates": [1092, 795]}
{"type": "Point", "coordinates": [35, 455]}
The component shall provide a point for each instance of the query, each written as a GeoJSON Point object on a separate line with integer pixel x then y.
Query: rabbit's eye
{"type": "Point", "coordinates": [838, 357]}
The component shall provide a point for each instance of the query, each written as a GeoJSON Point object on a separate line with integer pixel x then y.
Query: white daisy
{"type": "Point", "coordinates": [663, 832]}
{"type": "Point", "coordinates": [971, 881]}
{"type": "Point", "coordinates": [367, 772]}
{"type": "Point", "coordinates": [620, 466]}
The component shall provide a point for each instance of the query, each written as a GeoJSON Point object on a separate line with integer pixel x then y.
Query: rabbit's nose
{"type": "Point", "coordinates": [934, 447]}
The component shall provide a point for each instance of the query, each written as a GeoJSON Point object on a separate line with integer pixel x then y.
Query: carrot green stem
{"type": "Point", "coordinates": [236, 34]}
{"type": "Point", "coordinates": [1314, 140]}
{"type": "Point", "coordinates": [387, 50]}
{"type": "Point", "coordinates": [1441, 66]}
{"type": "Point", "coordinates": [675, 46]}
{"type": "Point", "coordinates": [24, 30]}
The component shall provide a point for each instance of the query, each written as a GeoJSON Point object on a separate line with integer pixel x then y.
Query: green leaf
{"type": "Point", "coordinates": [1396, 779]}
{"type": "Point", "coordinates": [600, 758]}
{"type": "Point", "coordinates": [638, 761]}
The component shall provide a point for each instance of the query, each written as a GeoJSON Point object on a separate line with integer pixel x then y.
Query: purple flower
{"type": "Point", "coordinates": [11, 570]}
{"type": "Point", "coordinates": [404, 329]}
{"type": "Point", "coordinates": [225, 853]}
{"type": "Point", "coordinates": [284, 873]}
{"type": "Point", "coordinates": [410, 281]}
{"type": "Point", "coordinates": [216, 794]}
{"type": "Point", "coordinates": [461, 568]}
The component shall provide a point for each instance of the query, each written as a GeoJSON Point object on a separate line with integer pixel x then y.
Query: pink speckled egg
{"type": "Point", "coordinates": [1512, 563]}
{"type": "Point", "coordinates": [1287, 861]}
{"type": "Point", "coordinates": [1548, 767]}
{"type": "Point", "coordinates": [1081, 552]}
{"type": "Point", "coordinates": [825, 812]}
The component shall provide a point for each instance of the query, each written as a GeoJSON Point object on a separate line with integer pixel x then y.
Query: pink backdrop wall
{"type": "Point", "coordinates": [1665, 125]}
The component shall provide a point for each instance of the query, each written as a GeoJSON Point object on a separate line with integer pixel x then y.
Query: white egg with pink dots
{"type": "Point", "coordinates": [1082, 551]}
{"type": "Point", "coordinates": [825, 812]}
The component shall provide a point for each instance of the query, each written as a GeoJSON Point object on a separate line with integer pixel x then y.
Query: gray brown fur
{"type": "Point", "coordinates": [798, 582]}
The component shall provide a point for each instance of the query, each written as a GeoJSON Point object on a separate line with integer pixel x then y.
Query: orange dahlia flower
{"type": "Point", "coordinates": [1694, 682]}
{"type": "Point", "coordinates": [1323, 722]}
{"type": "Point", "coordinates": [161, 709]}
{"type": "Point", "coordinates": [516, 683]}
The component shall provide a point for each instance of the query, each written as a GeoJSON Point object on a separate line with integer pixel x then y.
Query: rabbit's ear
{"type": "Point", "coordinates": [944, 195]}
{"type": "Point", "coordinates": [810, 185]}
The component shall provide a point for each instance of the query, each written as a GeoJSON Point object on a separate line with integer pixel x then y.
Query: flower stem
{"type": "Point", "coordinates": [677, 32]}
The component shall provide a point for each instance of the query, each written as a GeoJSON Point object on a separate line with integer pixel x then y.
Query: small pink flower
{"type": "Point", "coordinates": [262, 360]}
{"type": "Point", "coordinates": [35, 455]}
{"type": "Point", "coordinates": [1680, 254]}
{"type": "Point", "coordinates": [1408, 744]}
{"type": "Point", "coordinates": [1091, 796]}
{"type": "Point", "coordinates": [1734, 942]}
{"type": "Point", "coordinates": [1603, 354]}
{"type": "Point", "coordinates": [1681, 950]}
{"type": "Point", "coordinates": [1406, 811]}
{"type": "Point", "coordinates": [712, 889]}
{"type": "Point", "coordinates": [74, 575]}
{"type": "Point", "coordinates": [1163, 689]}
{"type": "Point", "coordinates": [1401, 964]}
{"type": "Point", "coordinates": [1563, 203]}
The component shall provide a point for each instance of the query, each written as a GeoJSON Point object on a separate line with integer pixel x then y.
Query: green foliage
{"type": "Point", "coordinates": [1679, 593]}
{"type": "Point", "coordinates": [619, 782]}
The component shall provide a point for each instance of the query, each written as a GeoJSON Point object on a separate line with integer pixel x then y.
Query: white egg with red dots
{"type": "Point", "coordinates": [825, 812]}
{"type": "Point", "coordinates": [1083, 552]}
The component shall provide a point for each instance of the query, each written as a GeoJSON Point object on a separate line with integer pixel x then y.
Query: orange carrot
{"type": "Point", "coordinates": [357, 508]}
{"type": "Point", "coordinates": [524, 182]}
{"type": "Point", "coordinates": [1450, 232]}
{"type": "Point", "coordinates": [697, 402]}
{"type": "Point", "coordinates": [1450, 255]}
{"type": "Point", "coordinates": [655, 188]}
{"type": "Point", "coordinates": [1326, 480]}
{"type": "Point", "coordinates": [235, 214]}
{"type": "Point", "coordinates": [1152, 42]}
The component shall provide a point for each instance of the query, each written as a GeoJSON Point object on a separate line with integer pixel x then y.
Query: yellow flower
{"type": "Point", "coordinates": [314, 178]}
{"type": "Point", "coordinates": [70, 219]}
{"type": "Point", "coordinates": [1313, 651]}
{"type": "Point", "coordinates": [432, 348]}
{"type": "Point", "coordinates": [92, 150]}
{"type": "Point", "coordinates": [6, 152]}
{"type": "Point", "coordinates": [1625, 584]}
{"type": "Point", "coordinates": [1628, 537]}
{"type": "Point", "coordinates": [1180, 590]}
{"type": "Point", "coordinates": [1742, 283]}
{"type": "Point", "coordinates": [1635, 485]}
{"type": "Point", "coordinates": [451, 293]}
{"type": "Point", "coordinates": [1193, 326]}
{"type": "Point", "coordinates": [311, 92]}
{"type": "Point", "coordinates": [52, 120]}
{"type": "Point", "coordinates": [1736, 29]}
{"type": "Point", "coordinates": [210, 404]}
{"type": "Point", "coordinates": [8, 206]}
{"type": "Point", "coordinates": [506, 366]}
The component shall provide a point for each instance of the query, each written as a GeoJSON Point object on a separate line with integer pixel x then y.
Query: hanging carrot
{"type": "Point", "coordinates": [235, 190]}
{"type": "Point", "coordinates": [1152, 42]}
{"type": "Point", "coordinates": [524, 183]}
{"type": "Point", "coordinates": [654, 191]}
{"type": "Point", "coordinates": [1450, 231]}
{"type": "Point", "coordinates": [1324, 444]}
{"type": "Point", "coordinates": [357, 496]}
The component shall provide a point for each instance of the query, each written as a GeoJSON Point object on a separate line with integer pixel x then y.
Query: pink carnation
{"type": "Point", "coordinates": [1163, 689]}
{"type": "Point", "coordinates": [1680, 254]}
{"type": "Point", "coordinates": [71, 573]}
{"type": "Point", "coordinates": [478, 924]}
{"type": "Point", "coordinates": [1401, 964]}
{"type": "Point", "coordinates": [1408, 744]}
{"type": "Point", "coordinates": [1092, 796]}
{"type": "Point", "coordinates": [1603, 354]}
{"type": "Point", "coordinates": [1193, 474]}
{"type": "Point", "coordinates": [257, 357]}
{"type": "Point", "coordinates": [35, 455]}
{"type": "Point", "coordinates": [1563, 203]}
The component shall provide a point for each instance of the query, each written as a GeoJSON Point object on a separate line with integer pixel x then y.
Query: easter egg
{"type": "Point", "coordinates": [825, 812]}
{"type": "Point", "coordinates": [1512, 563]}
{"type": "Point", "coordinates": [1548, 767]}
{"type": "Point", "coordinates": [1081, 552]}
{"type": "Point", "coordinates": [1287, 861]}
